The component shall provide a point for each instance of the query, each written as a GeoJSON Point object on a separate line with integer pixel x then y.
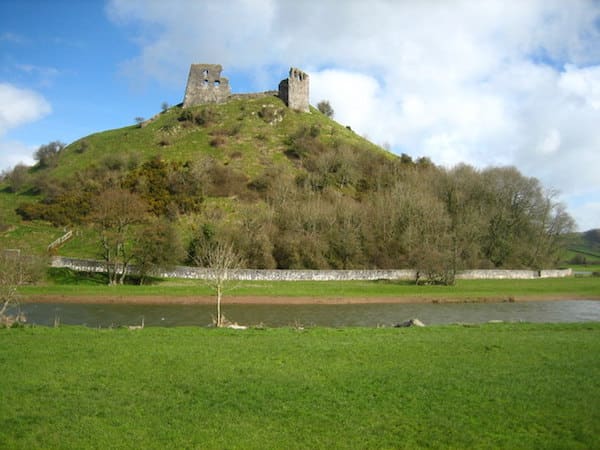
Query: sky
{"type": "Point", "coordinates": [481, 82]}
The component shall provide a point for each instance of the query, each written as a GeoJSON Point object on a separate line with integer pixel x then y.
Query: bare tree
{"type": "Point", "coordinates": [220, 259]}
{"type": "Point", "coordinates": [16, 269]}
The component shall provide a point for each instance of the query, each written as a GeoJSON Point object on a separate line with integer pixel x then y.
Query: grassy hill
{"type": "Point", "coordinates": [288, 189]}
{"type": "Point", "coordinates": [582, 250]}
{"type": "Point", "coordinates": [247, 135]}
{"type": "Point", "coordinates": [248, 143]}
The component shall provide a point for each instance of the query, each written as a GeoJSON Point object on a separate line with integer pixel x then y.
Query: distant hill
{"type": "Point", "coordinates": [583, 248]}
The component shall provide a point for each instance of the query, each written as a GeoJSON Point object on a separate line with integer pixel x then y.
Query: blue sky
{"type": "Point", "coordinates": [494, 82]}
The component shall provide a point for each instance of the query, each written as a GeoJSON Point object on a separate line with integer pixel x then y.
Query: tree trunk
{"type": "Point", "coordinates": [219, 316]}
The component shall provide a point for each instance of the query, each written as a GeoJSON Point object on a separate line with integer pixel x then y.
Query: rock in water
{"type": "Point", "coordinates": [410, 323]}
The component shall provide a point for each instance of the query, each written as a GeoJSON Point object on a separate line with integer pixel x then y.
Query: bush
{"type": "Point", "coordinates": [82, 147]}
{"type": "Point", "coordinates": [17, 178]}
{"type": "Point", "coordinates": [114, 162]}
{"type": "Point", "coordinates": [270, 114]}
{"type": "Point", "coordinates": [217, 141]}
{"type": "Point", "coordinates": [325, 108]}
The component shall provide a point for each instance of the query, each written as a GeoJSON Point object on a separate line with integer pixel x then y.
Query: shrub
{"type": "Point", "coordinates": [82, 147]}
{"type": "Point", "coordinates": [270, 114]}
{"type": "Point", "coordinates": [217, 141]}
{"type": "Point", "coordinates": [113, 162]}
{"type": "Point", "coordinates": [17, 178]}
{"type": "Point", "coordinates": [325, 108]}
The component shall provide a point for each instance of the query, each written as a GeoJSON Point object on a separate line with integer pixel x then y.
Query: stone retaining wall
{"type": "Point", "coordinates": [90, 265]}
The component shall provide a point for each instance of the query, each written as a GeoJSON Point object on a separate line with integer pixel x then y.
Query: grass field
{"type": "Point", "coordinates": [64, 282]}
{"type": "Point", "coordinates": [491, 386]}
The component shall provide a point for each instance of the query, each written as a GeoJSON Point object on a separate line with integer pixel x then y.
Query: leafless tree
{"type": "Point", "coordinates": [219, 259]}
{"type": "Point", "coordinates": [16, 269]}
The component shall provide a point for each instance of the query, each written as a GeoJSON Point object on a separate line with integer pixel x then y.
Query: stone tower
{"type": "Point", "coordinates": [205, 85]}
{"type": "Point", "coordinates": [294, 90]}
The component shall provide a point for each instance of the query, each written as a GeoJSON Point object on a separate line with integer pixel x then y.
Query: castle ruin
{"type": "Point", "coordinates": [294, 90]}
{"type": "Point", "coordinates": [206, 85]}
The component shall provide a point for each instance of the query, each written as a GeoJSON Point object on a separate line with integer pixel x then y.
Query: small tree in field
{"type": "Point", "coordinates": [16, 270]}
{"type": "Point", "coordinates": [219, 259]}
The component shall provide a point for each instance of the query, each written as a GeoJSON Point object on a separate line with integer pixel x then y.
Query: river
{"type": "Point", "coordinates": [367, 315]}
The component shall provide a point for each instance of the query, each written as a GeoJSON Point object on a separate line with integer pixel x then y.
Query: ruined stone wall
{"type": "Point", "coordinates": [294, 90]}
{"type": "Point", "coordinates": [205, 85]}
{"type": "Point", "coordinates": [253, 95]}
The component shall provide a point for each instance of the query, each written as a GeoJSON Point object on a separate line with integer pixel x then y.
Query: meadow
{"type": "Point", "coordinates": [68, 284]}
{"type": "Point", "coordinates": [490, 386]}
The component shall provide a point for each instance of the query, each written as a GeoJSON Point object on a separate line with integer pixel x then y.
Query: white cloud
{"type": "Point", "coordinates": [18, 107]}
{"type": "Point", "coordinates": [486, 83]}
{"type": "Point", "coordinates": [582, 85]}
{"type": "Point", "coordinates": [13, 153]}
{"type": "Point", "coordinates": [587, 211]}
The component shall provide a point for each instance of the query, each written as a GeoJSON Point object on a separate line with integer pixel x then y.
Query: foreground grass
{"type": "Point", "coordinates": [492, 386]}
{"type": "Point", "coordinates": [94, 285]}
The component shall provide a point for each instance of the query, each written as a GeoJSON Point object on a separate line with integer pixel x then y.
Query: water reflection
{"type": "Point", "coordinates": [322, 315]}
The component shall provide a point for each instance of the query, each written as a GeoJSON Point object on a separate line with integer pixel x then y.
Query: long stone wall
{"type": "Point", "coordinates": [90, 265]}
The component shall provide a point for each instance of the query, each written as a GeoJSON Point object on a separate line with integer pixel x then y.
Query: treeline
{"type": "Point", "coordinates": [327, 205]}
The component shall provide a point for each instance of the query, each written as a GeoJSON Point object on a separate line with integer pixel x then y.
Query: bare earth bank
{"type": "Point", "coordinates": [267, 300]}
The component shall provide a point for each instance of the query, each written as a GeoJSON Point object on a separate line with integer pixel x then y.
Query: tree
{"type": "Point", "coordinates": [115, 211]}
{"type": "Point", "coordinates": [219, 258]}
{"type": "Point", "coordinates": [47, 155]}
{"type": "Point", "coordinates": [139, 121]}
{"type": "Point", "coordinates": [156, 246]}
{"type": "Point", "coordinates": [18, 177]}
{"type": "Point", "coordinates": [16, 269]}
{"type": "Point", "coordinates": [325, 107]}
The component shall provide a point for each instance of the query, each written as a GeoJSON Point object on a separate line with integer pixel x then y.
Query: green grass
{"type": "Point", "coordinates": [492, 386]}
{"type": "Point", "coordinates": [586, 268]}
{"type": "Point", "coordinates": [65, 282]}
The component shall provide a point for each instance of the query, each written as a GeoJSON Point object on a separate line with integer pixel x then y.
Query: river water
{"type": "Point", "coordinates": [367, 315]}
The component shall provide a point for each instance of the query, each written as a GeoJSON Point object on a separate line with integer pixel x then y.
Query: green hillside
{"type": "Point", "coordinates": [245, 141]}
{"type": "Point", "coordinates": [247, 135]}
{"type": "Point", "coordinates": [582, 250]}
{"type": "Point", "coordinates": [287, 189]}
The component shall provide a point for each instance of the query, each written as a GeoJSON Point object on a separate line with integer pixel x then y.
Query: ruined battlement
{"type": "Point", "coordinates": [206, 85]}
{"type": "Point", "coordinates": [294, 90]}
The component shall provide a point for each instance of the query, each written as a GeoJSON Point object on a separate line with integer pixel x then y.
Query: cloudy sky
{"type": "Point", "coordinates": [507, 82]}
